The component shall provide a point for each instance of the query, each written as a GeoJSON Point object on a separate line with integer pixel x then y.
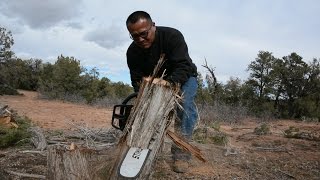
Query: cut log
{"type": "Point", "coordinates": [153, 111]}
{"type": "Point", "coordinates": [63, 163]}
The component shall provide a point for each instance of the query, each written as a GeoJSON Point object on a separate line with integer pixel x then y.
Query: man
{"type": "Point", "coordinates": [149, 41]}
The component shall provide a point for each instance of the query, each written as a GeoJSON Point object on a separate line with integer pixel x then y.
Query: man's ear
{"type": "Point", "coordinates": [153, 23]}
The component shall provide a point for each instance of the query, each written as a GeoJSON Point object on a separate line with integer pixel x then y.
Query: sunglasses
{"type": "Point", "coordinates": [143, 34]}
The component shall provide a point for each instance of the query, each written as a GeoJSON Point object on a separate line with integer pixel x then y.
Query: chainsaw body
{"type": "Point", "coordinates": [121, 112]}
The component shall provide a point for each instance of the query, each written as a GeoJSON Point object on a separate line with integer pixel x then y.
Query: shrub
{"type": "Point", "coordinates": [8, 90]}
{"type": "Point", "coordinates": [208, 135]}
{"type": "Point", "coordinates": [263, 129]}
{"type": "Point", "coordinates": [15, 136]}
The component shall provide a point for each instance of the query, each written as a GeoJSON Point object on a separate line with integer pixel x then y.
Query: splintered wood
{"type": "Point", "coordinates": [186, 146]}
{"type": "Point", "coordinates": [153, 111]}
{"type": "Point", "coordinates": [151, 114]}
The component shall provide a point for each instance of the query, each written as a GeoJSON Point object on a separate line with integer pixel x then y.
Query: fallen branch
{"type": "Point", "coordinates": [38, 139]}
{"type": "Point", "coordinates": [58, 142]}
{"type": "Point", "coordinates": [277, 149]}
{"type": "Point", "coordinates": [25, 174]}
{"type": "Point", "coordinates": [91, 136]}
{"type": "Point", "coordinates": [287, 174]}
{"type": "Point", "coordinates": [34, 152]}
{"type": "Point", "coordinates": [186, 146]}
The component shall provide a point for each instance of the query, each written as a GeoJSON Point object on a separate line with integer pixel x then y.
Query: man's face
{"type": "Point", "coordinates": [142, 33]}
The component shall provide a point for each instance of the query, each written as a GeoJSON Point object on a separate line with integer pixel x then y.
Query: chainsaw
{"type": "Point", "coordinates": [135, 158]}
{"type": "Point", "coordinates": [121, 112]}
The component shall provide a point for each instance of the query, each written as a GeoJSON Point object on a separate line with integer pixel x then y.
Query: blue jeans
{"type": "Point", "coordinates": [187, 117]}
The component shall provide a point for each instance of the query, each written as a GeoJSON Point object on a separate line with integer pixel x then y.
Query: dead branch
{"type": "Point", "coordinates": [36, 176]}
{"type": "Point", "coordinates": [92, 136]}
{"type": "Point", "coordinates": [186, 146]}
{"type": "Point", "coordinates": [51, 142]}
{"type": "Point", "coordinates": [276, 149]}
{"type": "Point", "coordinates": [287, 174]}
{"type": "Point", "coordinates": [212, 77]}
{"type": "Point", "coordinates": [34, 152]}
{"type": "Point", "coordinates": [38, 139]}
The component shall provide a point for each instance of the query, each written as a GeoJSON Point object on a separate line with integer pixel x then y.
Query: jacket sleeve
{"type": "Point", "coordinates": [135, 72]}
{"type": "Point", "coordinates": [179, 59]}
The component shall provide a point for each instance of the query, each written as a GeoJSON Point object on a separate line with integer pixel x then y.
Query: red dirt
{"type": "Point", "coordinates": [53, 115]}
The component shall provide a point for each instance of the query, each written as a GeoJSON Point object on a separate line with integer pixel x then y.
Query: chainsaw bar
{"type": "Point", "coordinates": [133, 162]}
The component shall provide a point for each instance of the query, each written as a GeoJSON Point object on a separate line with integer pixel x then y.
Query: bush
{"type": "Point", "coordinates": [208, 135]}
{"type": "Point", "coordinates": [7, 90]}
{"type": "Point", "coordinates": [263, 129]}
{"type": "Point", "coordinates": [15, 136]}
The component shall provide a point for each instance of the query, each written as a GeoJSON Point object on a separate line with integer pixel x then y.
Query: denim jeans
{"type": "Point", "coordinates": [187, 117]}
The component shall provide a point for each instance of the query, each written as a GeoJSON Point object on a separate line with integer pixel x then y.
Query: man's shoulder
{"type": "Point", "coordinates": [133, 48]}
{"type": "Point", "coordinates": [165, 29]}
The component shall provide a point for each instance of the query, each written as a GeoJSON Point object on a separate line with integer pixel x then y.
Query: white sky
{"type": "Point", "coordinates": [228, 34]}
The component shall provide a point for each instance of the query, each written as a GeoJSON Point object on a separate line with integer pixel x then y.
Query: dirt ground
{"type": "Point", "coordinates": [246, 155]}
{"type": "Point", "coordinates": [57, 114]}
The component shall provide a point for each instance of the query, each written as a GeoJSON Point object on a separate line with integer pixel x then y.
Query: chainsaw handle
{"type": "Point", "coordinates": [123, 112]}
{"type": "Point", "coordinates": [131, 96]}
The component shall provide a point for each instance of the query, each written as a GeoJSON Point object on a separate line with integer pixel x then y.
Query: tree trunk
{"type": "Point", "coordinates": [153, 111]}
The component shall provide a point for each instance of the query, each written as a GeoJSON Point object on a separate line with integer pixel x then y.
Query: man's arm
{"type": "Point", "coordinates": [136, 78]}
{"type": "Point", "coordinates": [135, 71]}
{"type": "Point", "coordinates": [182, 64]}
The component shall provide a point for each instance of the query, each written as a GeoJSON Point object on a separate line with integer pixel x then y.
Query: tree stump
{"type": "Point", "coordinates": [67, 164]}
{"type": "Point", "coordinates": [153, 111]}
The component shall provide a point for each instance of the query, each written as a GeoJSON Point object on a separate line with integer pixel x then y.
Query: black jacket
{"type": "Point", "coordinates": [179, 66]}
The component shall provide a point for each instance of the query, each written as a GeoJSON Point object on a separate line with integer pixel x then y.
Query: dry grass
{"type": "Point", "coordinates": [221, 113]}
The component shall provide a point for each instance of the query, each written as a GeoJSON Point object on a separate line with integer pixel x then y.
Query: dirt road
{"type": "Point", "coordinates": [57, 114]}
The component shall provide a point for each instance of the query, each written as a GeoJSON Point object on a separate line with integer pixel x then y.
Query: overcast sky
{"type": "Point", "coordinates": [228, 34]}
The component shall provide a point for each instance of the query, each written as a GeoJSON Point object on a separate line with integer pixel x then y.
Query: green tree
{"type": "Point", "coordinates": [6, 42]}
{"type": "Point", "coordinates": [66, 75]}
{"type": "Point", "coordinates": [203, 94]}
{"type": "Point", "coordinates": [294, 81]}
{"type": "Point", "coordinates": [260, 73]}
{"type": "Point", "coordinates": [46, 84]}
{"type": "Point", "coordinates": [309, 104]}
{"type": "Point", "coordinates": [233, 91]}
{"type": "Point", "coordinates": [90, 88]}
{"type": "Point", "coordinates": [62, 78]}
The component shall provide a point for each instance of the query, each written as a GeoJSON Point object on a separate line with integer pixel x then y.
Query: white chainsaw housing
{"type": "Point", "coordinates": [133, 162]}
